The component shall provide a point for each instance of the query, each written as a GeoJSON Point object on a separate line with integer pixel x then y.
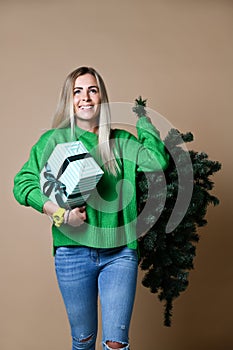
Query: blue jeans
{"type": "Point", "coordinates": [82, 273]}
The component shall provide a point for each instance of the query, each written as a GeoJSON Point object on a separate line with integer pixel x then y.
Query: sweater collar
{"type": "Point", "coordinates": [85, 133]}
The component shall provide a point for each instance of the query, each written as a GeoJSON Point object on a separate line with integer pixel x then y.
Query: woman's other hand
{"type": "Point", "coordinates": [74, 217]}
{"type": "Point", "coordinates": [77, 216]}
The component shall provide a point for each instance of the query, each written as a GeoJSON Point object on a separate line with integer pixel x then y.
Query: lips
{"type": "Point", "coordinates": [86, 107]}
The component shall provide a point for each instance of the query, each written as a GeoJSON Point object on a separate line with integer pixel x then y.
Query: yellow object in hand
{"type": "Point", "coordinates": [58, 217]}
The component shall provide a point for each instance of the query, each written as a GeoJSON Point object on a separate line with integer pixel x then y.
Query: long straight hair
{"type": "Point", "coordinates": [65, 116]}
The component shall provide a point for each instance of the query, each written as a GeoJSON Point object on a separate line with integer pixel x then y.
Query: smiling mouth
{"type": "Point", "coordinates": [86, 107]}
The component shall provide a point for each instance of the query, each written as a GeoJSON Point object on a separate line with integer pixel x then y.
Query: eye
{"type": "Point", "coordinates": [93, 91]}
{"type": "Point", "coordinates": [77, 92]}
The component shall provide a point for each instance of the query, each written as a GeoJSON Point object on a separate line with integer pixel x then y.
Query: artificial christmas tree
{"type": "Point", "coordinates": [167, 255]}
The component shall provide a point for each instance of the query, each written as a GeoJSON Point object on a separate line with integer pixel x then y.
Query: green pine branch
{"type": "Point", "coordinates": [166, 258]}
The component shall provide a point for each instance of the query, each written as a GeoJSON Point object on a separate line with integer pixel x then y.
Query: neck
{"type": "Point", "coordinates": [87, 125]}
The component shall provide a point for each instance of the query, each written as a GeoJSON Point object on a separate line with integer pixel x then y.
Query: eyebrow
{"type": "Point", "coordinates": [89, 87]}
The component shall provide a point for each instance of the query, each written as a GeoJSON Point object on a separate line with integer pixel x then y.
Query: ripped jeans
{"type": "Point", "coordinates": [82, 274]}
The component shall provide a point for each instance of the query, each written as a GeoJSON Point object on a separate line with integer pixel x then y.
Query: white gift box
{"type": "Point", "coordinates": [69, 175]}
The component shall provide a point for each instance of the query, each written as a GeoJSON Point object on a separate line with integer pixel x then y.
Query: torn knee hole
{"type": "Point", "coordinates": [86, 339]}
{"type": "Point", "coordinates": [115, 345]}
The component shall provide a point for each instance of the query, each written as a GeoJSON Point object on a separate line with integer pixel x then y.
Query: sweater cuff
{"type": "Point", "coordinates": [144, 123]}
{"type": "Point", "coordinates": [36, 200]}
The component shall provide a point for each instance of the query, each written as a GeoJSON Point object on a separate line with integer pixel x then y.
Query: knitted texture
{"type": "Point", "coordinates": [112, 208]}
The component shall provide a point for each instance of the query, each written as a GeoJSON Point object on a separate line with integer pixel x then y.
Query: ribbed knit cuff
{"type": "Point", "coordinates": [144, 123]}
{"type": "Point", "coordinates": [36, 200]}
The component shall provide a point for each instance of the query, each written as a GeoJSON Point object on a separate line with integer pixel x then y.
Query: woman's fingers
{"type": "Point", "coordinates": [77, 216]}
{"type": "Point", "coordinates": [82, 209]}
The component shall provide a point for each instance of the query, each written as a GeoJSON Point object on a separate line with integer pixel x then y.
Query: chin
{"type": "Point", "coordinates": [86, 116]}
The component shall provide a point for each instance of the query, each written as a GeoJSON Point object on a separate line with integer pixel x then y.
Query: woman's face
{"type": "Point", "coordinates": [86, 98]}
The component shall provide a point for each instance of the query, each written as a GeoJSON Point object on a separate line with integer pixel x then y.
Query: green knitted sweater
{"type": "Point", "coordinates": [112, 207]}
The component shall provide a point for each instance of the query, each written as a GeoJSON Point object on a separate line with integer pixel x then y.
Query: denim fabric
{"type": "Point", "coordinates": [82, 274]}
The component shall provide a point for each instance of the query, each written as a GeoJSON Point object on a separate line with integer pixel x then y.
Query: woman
{"type": "Point", "coordinates": [95, 246]}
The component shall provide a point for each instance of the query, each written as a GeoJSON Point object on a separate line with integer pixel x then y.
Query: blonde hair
{"type": "Point", "coordinates": [65, 116]}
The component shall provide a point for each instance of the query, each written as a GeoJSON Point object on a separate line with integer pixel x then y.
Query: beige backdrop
{"type": "Point", "coordinates": [176, 53]}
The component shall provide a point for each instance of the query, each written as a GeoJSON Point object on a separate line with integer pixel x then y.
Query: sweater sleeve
{"type": "Point", "coordinates": [27, 189]}
{"type": "Point", "coordinates": [151, 155]}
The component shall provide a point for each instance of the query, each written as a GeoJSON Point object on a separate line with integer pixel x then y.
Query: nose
{"type": "Point", "coordinates": [86, 96]}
